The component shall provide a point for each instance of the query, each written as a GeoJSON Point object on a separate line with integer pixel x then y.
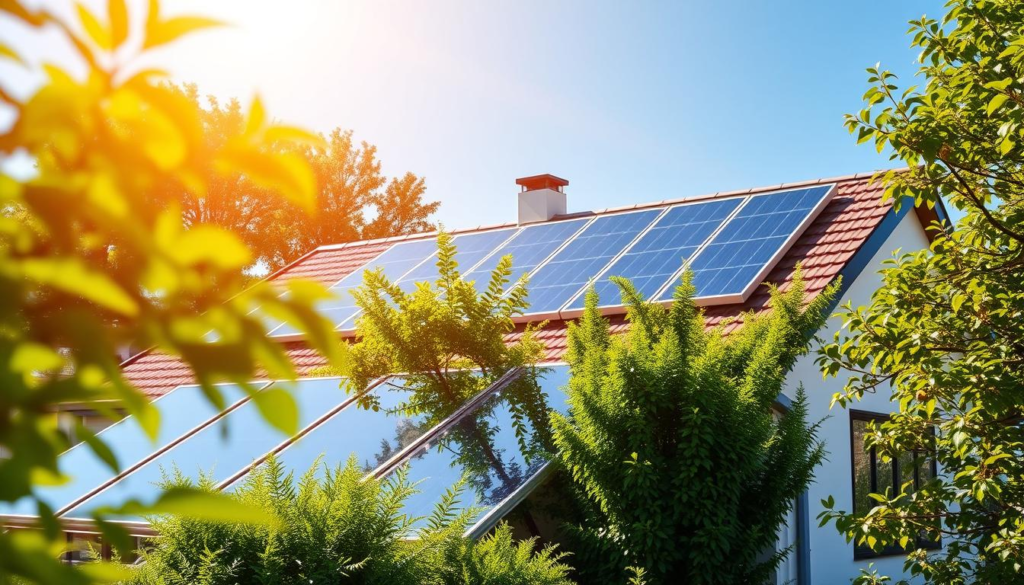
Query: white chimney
{"type": "Point", "coordinates": [541, 198]}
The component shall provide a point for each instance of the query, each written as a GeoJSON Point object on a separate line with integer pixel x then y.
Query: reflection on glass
{"type": "Point", "coordinates": [373, 428]}
{"type": "Point", "coordinates": [181, 410]}
{"type": "Point", "coordinates": [496, 447]}
{"type": "Point", "coordinates": [221, 449]}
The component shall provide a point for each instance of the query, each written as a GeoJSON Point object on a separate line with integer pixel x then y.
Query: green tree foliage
{"type": "Point", "coordinates": [354, 200]}
{"type": "Point", "coordinates": [944, 333]}
{"type": "Point", "coordinates": [448, 336]}
{"type": "Point", "coordinates": [338, 527]}
{"type": "Point", "coordinates": [672, 440]}
{"type": "Point", "coordinates": [93, 257]}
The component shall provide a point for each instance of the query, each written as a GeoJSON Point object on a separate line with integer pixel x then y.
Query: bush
{"type": "Point", "coordinates": [338, 526]}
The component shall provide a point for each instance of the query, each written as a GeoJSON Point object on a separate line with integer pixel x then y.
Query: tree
{"type": "Point", "coordinates": [354, 200]}
{"type": "Point", "coordinates": [338, 526]}
{"type": "Point", "coordinates": [669, 493]}
{"type": "Point", "coordinates": [449, 339]}
{"type": "Point", "coordinates": [93, 257]}
{"type": "Point", "coordinates": [944, 333]}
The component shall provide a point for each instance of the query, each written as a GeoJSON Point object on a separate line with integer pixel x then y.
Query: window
{"type": "Point", "coordinates": [872, 475]}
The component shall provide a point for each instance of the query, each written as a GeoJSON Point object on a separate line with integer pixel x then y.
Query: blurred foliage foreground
{"type": "Point", "coordinates": [92, 258]}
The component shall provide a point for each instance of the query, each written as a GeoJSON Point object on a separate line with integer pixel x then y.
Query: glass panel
{"type": "Point", "coordinates": [749, 241]}
{"type": "Point", "coordinates": [222, 448]}
{"type": "Point", "coordinates": [588, 253]}
{"type": "Point", "coordinates": [861, 470]}
{"type": "Point", "coordinates": [181, 410]}
{"type": "Point", "coordinates": [486, 448]}
{"type": "Point", "coordinates": [84, 548]}
{"type": "Point", "coordinates": [373, 435]}
{"type": "Point", "coordinates": [528, 249]}
{"type": "Point", "coordinates": [905, 469]}
{"type": "Point", "coordinates": [659, 254]}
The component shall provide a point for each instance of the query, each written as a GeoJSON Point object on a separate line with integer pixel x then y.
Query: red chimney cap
{"type": "Point", "coordinates": [545, 181]}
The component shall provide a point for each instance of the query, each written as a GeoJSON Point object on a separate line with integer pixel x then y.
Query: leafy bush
{"type": "Point", "coordinates": [685, 473]}
{"type": "Point", "coordinates": [338, 526]}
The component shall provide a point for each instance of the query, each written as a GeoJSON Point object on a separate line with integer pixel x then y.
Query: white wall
{"type": "Point", "coordinates": [831, 556]}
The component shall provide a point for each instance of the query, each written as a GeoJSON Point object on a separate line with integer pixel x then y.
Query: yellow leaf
{"type": "Point", "coordinates": [96, 31]}
{"type": "Point", "coordinates": [293, 135]}
{"type": "Point", "coordinates": [103, 192]}
{"type": "Point", "coordinates": [118, 14]}
{"type": "Point", "coordinates": [288, 173]}
{"type": "Point", "coordinates": [162, 32]}
{"type": "Point", "coordinates": [72, 276]}
{"type": "Point", "coordinates": [10, 53]}
{"type": "Point", "coordinates": [29, 358]}
{"type": "Point", "coordinates": [208, 244]}
{"type": "Point", "coordinates": [257, 117]}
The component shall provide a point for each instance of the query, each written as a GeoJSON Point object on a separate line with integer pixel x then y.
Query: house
{"type": "Point", "coordinates": [734, 241]}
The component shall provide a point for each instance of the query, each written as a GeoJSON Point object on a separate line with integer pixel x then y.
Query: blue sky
{"type": "Point", "coordinates": [631, 102]}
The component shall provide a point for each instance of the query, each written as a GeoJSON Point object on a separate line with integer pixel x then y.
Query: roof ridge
{"type": "Point", "coordinates": [634, 206]}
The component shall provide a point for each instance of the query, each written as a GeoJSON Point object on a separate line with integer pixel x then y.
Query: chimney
{"type": "Point", "coordinates": [541, 198]}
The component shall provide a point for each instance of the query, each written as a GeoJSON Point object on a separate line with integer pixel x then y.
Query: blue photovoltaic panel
{"type": "Point", "coordinates": [181, 410]}
{"type": "Point", "coordinates": [572, 268]}
{"type": "Point", "coordinates": [657, 256]}
{"type": "Point", "coordinates": [493, 471]}
{"type": "Point", "coordinates": [735, 257]}
{"type": "Point", "coordinates": [470, 249]}
{"type": "Point", "coordinates": [528, 249]}
{"type": "Point", "coordinates": [394, 262]}
{"type": "Point", "coordinates": [221, 449]}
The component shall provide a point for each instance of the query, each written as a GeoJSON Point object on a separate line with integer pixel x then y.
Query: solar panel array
{"type": "Point", "coordinates": [226, 445]}
{"type": "Point", "coordinates": [729, 243]}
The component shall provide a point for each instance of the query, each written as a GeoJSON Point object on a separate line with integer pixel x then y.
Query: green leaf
{"type": "Point", "coordinates": [202, 505]}
{"type": "Point", "coordinates": [98, 447]}
{"type": "Point", "coordinates": [995, 102]}
{"type": "Point", "coordinates": [71, 275]}
{"type": "Point", "coordinates": [277, 405]}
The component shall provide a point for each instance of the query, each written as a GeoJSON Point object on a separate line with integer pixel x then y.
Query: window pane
{"type": "Point", "coordinates": [906, 471]}
{"type": "Point", "coordinates": [861, 470]}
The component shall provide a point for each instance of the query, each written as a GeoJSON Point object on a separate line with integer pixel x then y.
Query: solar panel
{"type": "Point", "coordinates": [481, 446]}
{"type": "Point", "coordinates": [394, 262]}
{"type": "Point", "coordinates": [742, 253]}
{"type": "Point", "coordinates": [559, 279]}
{"type": "Point", "coordinates": [181, 410]}
{"type": "Point", "coordinates": [656, 257]}
{"type": "Point", "coordinates": [470, 250]}
{"type": "Point", "coordinates": [222, 448]}
{"type": "Point", "coordinates": [529, 248]}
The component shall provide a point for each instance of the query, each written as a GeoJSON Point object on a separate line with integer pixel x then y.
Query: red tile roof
{"type": "Point", "coordinates": [823, 249]}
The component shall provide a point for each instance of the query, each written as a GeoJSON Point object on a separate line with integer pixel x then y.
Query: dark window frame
{"type": "Point", "coordinates": [861, 552]}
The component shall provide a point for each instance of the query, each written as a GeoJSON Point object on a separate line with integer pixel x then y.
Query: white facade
{"type": "Point", "coordinates": [831, 557]}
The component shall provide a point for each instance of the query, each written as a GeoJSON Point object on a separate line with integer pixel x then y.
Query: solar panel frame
{"type": "Point", "coordinates": [567, 311]}
{"type": "Point", "coordinates": [769, 265]}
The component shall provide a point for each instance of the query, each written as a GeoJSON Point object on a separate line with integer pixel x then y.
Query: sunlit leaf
{"type": "Point", "coordinates": [29, 358]}
{"type": "Point", "coordinates": [72, 276]}
{"type": "Point", "coordinates": [287, 173]}
{"type": "Point", "coordinates": [96, 30]}
{"type": "Point", "coordinates": [10, 53]}
{"type": "Point", "coordinates": [205, 506]}
{"type": "Point", "coordinates": [277, 405]}
{"type": "Point", "coordinates": [257, 117]}
{"type": "Point", "coordinates": [166, 31]}
{"type": "Point", "coordinates": [118, 15]}
{"type": "Point", "coordinates": [208, 244]}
